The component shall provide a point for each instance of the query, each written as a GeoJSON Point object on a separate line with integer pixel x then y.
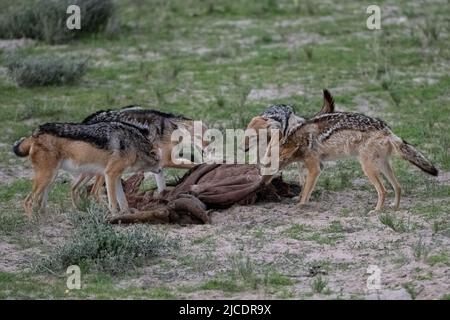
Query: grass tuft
{"type": "Point", "coordinates": [420, 250]}
{"type": "Point", "coordinates": [46, 20]}
{"type": "Point", "coordinates": [97, 245]}
{"type": "Point", "coordinates": [319, 285]}
{"type": "Point", "coordinates": [392, 222]}
{"type": "Point", "coordinates": [45, 70]}
{"type": "Point", "coordinates": [11, 223]}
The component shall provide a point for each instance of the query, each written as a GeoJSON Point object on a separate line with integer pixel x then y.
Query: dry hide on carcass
{"type": "Point", "coordinates": [206, 186]}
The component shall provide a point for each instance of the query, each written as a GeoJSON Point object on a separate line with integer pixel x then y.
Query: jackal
{"type": "Point", "coordinates": [160, 126]}
{"type": "Point", "coordinates": [342, 134]}
{"type": "Point", "coordinates": [283, 118]}
{"type": "Point", "coordinates": [107, 148]}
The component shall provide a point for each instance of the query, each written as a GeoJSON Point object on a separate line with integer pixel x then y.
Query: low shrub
{"type": "Point", "coordinates": [45, 70]}
{"type": "Point", "coordinates": [46, 20]}
{"type": "Point", "coordinates": [97, 245]}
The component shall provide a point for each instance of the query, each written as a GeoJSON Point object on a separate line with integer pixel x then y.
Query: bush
{"type": "Point", "coordinates": [46, 20]}
{"type": "Point", "coordinates": [99, 246]}
{"type": "Point", "coordinates": [45, 70]}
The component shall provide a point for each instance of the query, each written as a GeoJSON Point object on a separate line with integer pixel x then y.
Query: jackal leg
{"type": "Point", "coordinates": [28, 203]}
{"type": "Point", "coordinates": [388, 172]}
{"type": "Point", "coordinates": [373, 173]}
{"type": "Point", "coordinates": [166, 162]}
{"type": "Point", "coordinates": [113, 173]}
{"type": "Point", "coordinates": [111, 192]}
{"type": "Point", "coordinates": [160, 181]}
{"type": "Point", "coordinates": [39, 193]}
{"type": "Point", "coordinates": [121, 198]}
{"type": "Point", "coordinates": [29, 200]}
{"type": "Point", "coordinates": [313, 167]}
{"type": "Point", "coordinates": [97, 187]}
{"type": "Point", "coordinates": [74, 190]}
{"type": "Point", "coordinates": [302, 172]}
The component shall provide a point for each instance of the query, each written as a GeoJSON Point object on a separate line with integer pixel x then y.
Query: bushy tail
{"type": "Point", "coordinates": [22, 147]}
{"type": "Point", "coordinates": [408, 152]}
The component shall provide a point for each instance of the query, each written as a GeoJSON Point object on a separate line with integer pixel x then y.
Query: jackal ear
{"type": "Point", "coordinates": [328, 103]}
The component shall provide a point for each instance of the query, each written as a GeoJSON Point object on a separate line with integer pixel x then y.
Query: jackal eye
{"type": "Point", "coordinates": [154, 154]}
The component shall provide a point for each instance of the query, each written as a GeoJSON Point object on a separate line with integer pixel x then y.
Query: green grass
{"type": "Point", "coordinates": [432, 211]}
{"type": "Point", "coordinates": [335, 227]}
{"type": "Point", "coordinates": [436, 215]}
{"type": "Point", "coordinates": [329, 239]}
{"type": "Point", "coordinates": [319, 285]}
{"type": "Point", "coordinates": [45, 20]}
{"type": "Point", "coordinates": [441, 258]}
{"type": "Point", "coordinates": [11, 223]}
{"type": "Point", "coordinates": [227, 285]}
{"type": "Point", "coordinates": [198, 264]}
{"type": "Point", "coordinates": [295, 231]}
{"type": "Point", "coordinates": [206, 240]}
{"type": "Point", "coordinates": [329, 235]}
{"type": "Point", "coordinates": [276, 279]}
{"type": "Point", "coordinates": [244, 274]}
{"type": "Point", "coordinates": [389, 220]}
{"type": "Point", "coordinates": [420, 249]}
{"type": "Point", "coordinates": [340, 177]}
{"type": "Point", "coordinates": [45, 70]}
{"type": "Point", "coordinates": [412, 289]}
{"type": "Point", "coordinates": [29, 286]}
{"type": "Point", "coordinates": [17, 189]}
{"type": "Point", "coordinates": [97, 245]}
{"type": "Point", "coordinates": [26, 287]}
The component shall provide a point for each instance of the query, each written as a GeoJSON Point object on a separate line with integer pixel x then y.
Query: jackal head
{"type": "Point", "coordinates": [155, 155]}
{"type": "Point", "coordinates": [257, 124]}
{"type": "Point", "coordinates": [287, 152]}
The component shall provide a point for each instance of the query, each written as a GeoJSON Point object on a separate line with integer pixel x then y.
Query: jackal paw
{"type": "Point", "coordinates": [393, 206]}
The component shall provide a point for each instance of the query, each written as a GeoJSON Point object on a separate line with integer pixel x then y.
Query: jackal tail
{"type": "Point", "coordinates": [22, 147]}
{"type": "Point", "coordinates": [328, 103]}
{"type": "Point", "coordinates": [410, 153]}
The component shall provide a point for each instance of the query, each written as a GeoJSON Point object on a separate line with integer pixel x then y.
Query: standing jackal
{"type": "Point", "coordinates": [108, 148]}
{"type": "Point", "coordinates": [159, 125]}
{"type": "Point", "coordinates": [283, 118]}
{"type": "Point", "coordinates": [337, 135]}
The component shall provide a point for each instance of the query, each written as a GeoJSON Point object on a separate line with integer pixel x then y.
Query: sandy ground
{"type": "Point", "coordinates": [338, 239]}
{"type": "Point", "coordinates": [363, 241]}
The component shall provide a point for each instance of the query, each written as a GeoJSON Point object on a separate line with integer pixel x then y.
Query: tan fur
{"type": "Point", "coordinates": [257, 123]}
{"type": "Point", "coordinates": [373, 150]}
{"type": "Point", "coordinates": [48, 153]}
